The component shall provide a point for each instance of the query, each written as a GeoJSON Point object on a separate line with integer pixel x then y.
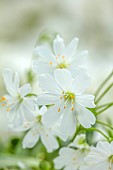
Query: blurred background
{"type": "Point", "coordinates": [25, 22]}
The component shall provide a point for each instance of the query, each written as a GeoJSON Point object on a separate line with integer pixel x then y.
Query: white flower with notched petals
{"type": "Point", "coordinates": [38, 130]}
{"type": "Point", "coordinates": [70, 159]}
{"type": "Point", "coordinates": [80, 142]}
{"type": "Point", "coordinates": [17, 103]}
{"type": "Point", "coordinates": [69, 102]}
{"type": "Point", "coordinates": [100, 157]}
{"type": "Point", "coordinates": [61, 57]}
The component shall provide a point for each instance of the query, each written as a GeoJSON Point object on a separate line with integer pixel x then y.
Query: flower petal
{"type": "Point", "coordinates": [47, 99]}
{"type": "Point", "coordinates": [58, 45]}
{"type": "Point", "coordinates": [49, 141]}
{"type": "Point", "coordinates": [41, 67]}
{"type": "Point", "coordinates": [80, 84]}
{"type": "Point", "coordinates": [68, 124]}
{"type": "Point", "coordinates": [71, 48]}
{"type": "Point", "coordinates": [48, 83]}
{"type": "Point", "coordinates": [63, 78]}
{"type": "Point", "coordinates": [53, 114]}
{"type": "Point", "coordinates": [85, 117]}
{"type": "Point", "coordinates": [30, 139]}
{"type": "Point", "coordinates": [86, 100]}
{"type": "Point", "coordinates": [11, 81]}
{"type": "Point", "coordinates": [45, 53]}
{"type": "Point", "coordinates": [25, 89]}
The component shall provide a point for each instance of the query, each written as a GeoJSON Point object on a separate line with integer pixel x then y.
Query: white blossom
{"type": "Point", "coordinates": [61, 57]}
{"type": "Point", "coordinates": [37, 130]}
{"type": "Point", "coordinates": [70, 159]}
{"type": "Point", "coordinates": [100, 157]}
{"type": "Point", "coordinates": [18, 105]}
{"type": "Point", "coordinates": [65, 94]}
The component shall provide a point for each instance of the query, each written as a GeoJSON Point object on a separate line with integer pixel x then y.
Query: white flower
{"type": "Point", "coordinates": [69, 101]}
{"type": "Point", "coordinates": [61, 57]}
{"type": "Point", "coordinates": [70, 159]}
{"type": "Point", "coordinates": [38, 130]}
{"type": "Point", "coordinates": [100, 157]}
{"type": "Point", "coordinates": [18, 104]}
{"type": "Point", "coordinates": [80, 142]}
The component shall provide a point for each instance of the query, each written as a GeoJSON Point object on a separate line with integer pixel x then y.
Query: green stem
{"type": "Point", "coordinates": [99, 131]}
{"type": "Point", "coordinates": [103, 83]}
{"type": "Point", "coordinates": [102, 95]}
{"type": "Point", "coordinates": [105, 124]}
{"type": "Point", "coordinates": [104, 105]}
{"type": "Point", "coordinates": [101, 111]}
{"type": "Point", "coordinates": [13, 160]}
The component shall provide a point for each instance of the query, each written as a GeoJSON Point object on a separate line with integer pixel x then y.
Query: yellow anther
{"type": "Point", "coordinates": [64, 107]}
{"type": "Point", "coordinates": [50, 62]}
{"type": "Point", "coordinates": [72, 108]}
{"type": "Point", "coordinates": [72, 102]}
{"type": "Point", "coordinates": [61, 97]}
{"type": "Point", "coordinates": [3, 98]}
{"type": "Point", "coordinates": [58, 54]}
{"type": "Point", "coordinates": [63, 57]}
{"type": "Point", "coordinates": [58, 109]}
{"type": "Point", "coordinates": [3, 104]}
{"type": "Point", "coordinates": [72, 96]}
{"type": "Point", "coordinates": [8, 109]}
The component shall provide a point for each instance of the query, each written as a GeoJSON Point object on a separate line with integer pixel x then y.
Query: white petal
{"type": "Point", "coordinates": [41, 67]}
{"type": "Point", "coordinates": [85, 117]}
{"type": "Point", "coordinates": [11, 81]}
{"type": "Point", "coordinates": [42, 110]}
{"type": "Point", "coordinates": [48, 83]}
{"type": "Point", "coordinates": [81, 57]}
{"type": "Point", "coordinates": [80, 84]}
{"type": "Point", "coordinates": [26, 112]}
{"type": "Point", "coordinates": [58, 45]}
{"type": "Point", "coordinates": [30, 103]}
{"type": "Point", "coordinates": [71, 48]}
{"type": "Point", "coordinates": [49, 141]}
{"type": "Point", "coordinates": [53, 114]}
{"type": "Point", "coordinates": [47, 99]}
{"type": "Point", "coordinates": [30, 139]}
{"type": "Point", "coordinates": [86, 100]}
{"type": "Point", "coordinates": [63, 78]}
{"type": "Point", "coordinates": [45, 53]}
{"type": "Point", "coordinates": [68, 124]}
{"type": "Point", "coordinates": [25, 89]}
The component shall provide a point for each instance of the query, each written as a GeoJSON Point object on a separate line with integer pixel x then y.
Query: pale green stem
{"type": "Point", "coordinates": [103, 83]}
{"type": "Point", "coordinates": [105, 124]}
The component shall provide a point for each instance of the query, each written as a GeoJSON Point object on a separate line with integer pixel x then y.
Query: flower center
{"type": "Point", "coordinates": [62, 65]}
{"type": "Point", "coordinates": [111, 158]}
{"type": "Point", "coordinates": [38, 118]}
{"type": "Point", "coordinates": [69, 96]}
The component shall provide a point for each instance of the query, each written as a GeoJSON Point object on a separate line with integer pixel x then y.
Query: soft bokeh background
{"type": "Point", "coordinates": [24, 22]}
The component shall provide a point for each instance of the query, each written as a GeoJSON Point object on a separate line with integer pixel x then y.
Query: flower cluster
{"type": "Point", "coordinates": [62, 110]}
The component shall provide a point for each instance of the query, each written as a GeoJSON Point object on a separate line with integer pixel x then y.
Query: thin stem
{"type": "Point", "coordinates": [104, 105]}
{"type": "Point", "coordinates": [101, 96]}
{"type": "Point", "coordinates": [103, 83]}
{"type": "Point", "coordinates": [97, 130]}
{"type": "Point", "coordinates": [101, 111]}
{"type": "Point", "coordinates": [105, 124]}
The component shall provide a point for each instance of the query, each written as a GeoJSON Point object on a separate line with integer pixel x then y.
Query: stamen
{"type": "Point", "coordinates": [3, 104]}
{"type": "Point", "coordinates": [8, 109]}
{"type": "Point", "coordinates": [3, 98]}
{"type": "Point", "coordinates": [72, 108]}
{"type": "Point", "coordinates": [50, 62]}
{"type": "Point", "coordinates": [63, 57]}
{"type": "Point", "coordinates": [58, 109]}
{"type": "Point", "coordinates": [64, 107]}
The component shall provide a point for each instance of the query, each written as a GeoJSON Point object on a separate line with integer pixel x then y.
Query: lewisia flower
{"type": "Point", "coordinates": [38, 130]}
{"type": "Point", "coordinates": [61, 57]}
{"type": "Point", "coordinates": [17, 103]}
{"type": "Point", "coordinates": [100, 157]}
{"type": "Point", "coordinates": [65, 94]}
{"type": "Point", "coordinates": [70, 159]}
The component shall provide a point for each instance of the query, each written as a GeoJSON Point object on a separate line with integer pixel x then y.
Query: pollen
{"type": "Point", "coordinates": [50, 62]}
{"type": "Point", "coordinates": [72, 108]}
{"type": "Point", "coordinates": [58, 109]}
{"type": "Point", "coordinates": [8, 109]}
{"type": "Point", "coordinates": [3, 104]}
{"type": "Point", "coordinates": [63, 57]}
{"type": "Point", "coordinates": [3, 98]}
{"type": "Point", "coordinates": [64, 107]}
